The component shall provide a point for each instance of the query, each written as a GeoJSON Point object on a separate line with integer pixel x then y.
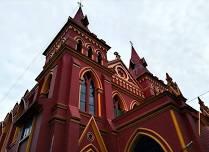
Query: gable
{"type": "Point", "coordinates": [92, 136]}
{"type": "Point", "coordinates": [123, 78]}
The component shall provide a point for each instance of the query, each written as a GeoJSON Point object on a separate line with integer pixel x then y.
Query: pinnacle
{"type": "Point", "coordinates": [81, 19]}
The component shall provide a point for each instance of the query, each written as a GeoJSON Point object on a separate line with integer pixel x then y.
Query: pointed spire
{"type": "Point", "coordinates": [134, 56]}
{"type": "Point", "coordinates": [81, 19]}
{"type": "Point", "coordinates": [168, 78]}
{"type": "Point", "coordinates": [79, 15]}
{"type": "Point", "coordinates": [137, 65]}
{"type": "Point", "coordinates": [200, 101]}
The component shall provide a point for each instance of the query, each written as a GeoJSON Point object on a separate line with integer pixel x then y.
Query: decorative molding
{"type": "Point", "coordinates": [92, 123]}
{"type": "Point", "coordinates": [123, 78]}
{"type": "Point", "coordinates": [150, 133]}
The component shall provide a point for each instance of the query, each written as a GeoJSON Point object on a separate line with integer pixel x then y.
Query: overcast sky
{"type": "Point", "coordinates": [172, 35]}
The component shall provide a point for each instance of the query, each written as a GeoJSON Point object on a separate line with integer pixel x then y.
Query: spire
{"type": "Point", "coordinates": [134, 56]}
{"type": "Point", "coordinates": [79, 15]}
{"type": "Point", "coordinates": [137, 65]}
{"type": "Point", "coordinates": [80, 18]}
{"type": "Point", "coordinates": [168, 78]}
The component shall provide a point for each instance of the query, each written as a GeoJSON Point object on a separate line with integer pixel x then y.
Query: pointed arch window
{"type": "Point", "coordinates": [99, 58]}
{"type": "Point", "coordinates": [118, 108]}
{"type": "Point", "coordinates": [90, 52]}
{"type": "Point", "coordinates": [87, 94]}
{"type": "Point", "coordinates": [79, 46]}
{"type": "Point", "coordinates": [83, 96]}
{"type": "Point", "coordinates": [91, 98]}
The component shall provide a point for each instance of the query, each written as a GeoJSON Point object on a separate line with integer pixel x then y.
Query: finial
{"type": "Point", "coordinates": [117, 55]}
{"type": "Point", "coordinates": [80, 4]}
{"type": "Point", "coordinates": [131, 43]}
{"type": "Point", "coordinates": [200, 101]}
{"type": "Point", "coordinates": [168, 78]}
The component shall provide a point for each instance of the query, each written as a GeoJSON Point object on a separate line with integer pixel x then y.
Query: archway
{"type": "Point", "coordinates": [142, 136]}
{"type": "Point", "coordinates": [146, 144]}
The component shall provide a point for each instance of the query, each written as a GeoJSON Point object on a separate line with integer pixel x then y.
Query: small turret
{"type": "Point", "coordinates": [81, 19]}
{"type": "Point", "coordinates": [137, 65]}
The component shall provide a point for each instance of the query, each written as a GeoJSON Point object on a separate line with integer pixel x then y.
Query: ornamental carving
{"type": "Point", "coordinates": [123, 78]}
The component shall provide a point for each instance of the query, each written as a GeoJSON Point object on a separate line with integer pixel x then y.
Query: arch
{"type": "Point", "coordinates": [133, 104]}
{"type": "Point", "coordinates": [95, 76]}
{"type": "Point", "coordinates": [97, 87]}
{"type": "Point", "coordinates": [89, 148]}
{"type": "Point", "coordinates": [78, 38]}
{"type": "Point", "coordinates": [99, 51]}
{"type": "Point", "coordinates": [99, 58]}
{"type": "Point", "coordinates": [121, 98]}
{"type": "Point", "coordinates": [79, 46]}
{"type": "Point", "coordinates": [150, 133]}
{"type": "Point", "coordinates": [89, 45]}
{"type": "Point", "coordinates": [90, 52]}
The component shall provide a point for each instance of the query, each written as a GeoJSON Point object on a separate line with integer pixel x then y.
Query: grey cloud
{"type": "Point", "coordinates": [172, 35]}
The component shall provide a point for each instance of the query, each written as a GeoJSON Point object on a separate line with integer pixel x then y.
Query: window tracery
{"type": "Point", "coordinates": [87, 94]}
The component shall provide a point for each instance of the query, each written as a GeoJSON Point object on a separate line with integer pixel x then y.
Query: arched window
{"type": "Point", "coordinates": [146, 144]}
{"type": "Point", "coordinates": [79, 46]}
{"type": "Point", "coordinates": [83, 96]}
{"type": "Point", "coordinates": [91, 98]}
{"type": "Point", "coordinates": [90, 52]}
{"type": "Point", "coordinates": [118, 109]}
{"type": "Point", "coordinates": [87, 94]}
{"type": "Point", "coordinates": [99, 58]}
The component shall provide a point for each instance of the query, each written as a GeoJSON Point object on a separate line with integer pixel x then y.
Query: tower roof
{"type": "Point", "coordinates": [81, 19]}
{"type": "Point", "coordinates": [137, 65]}
{"type": "Point", "coordinates": [134, 56]}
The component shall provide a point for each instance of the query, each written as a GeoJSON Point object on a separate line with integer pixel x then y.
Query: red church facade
{"type": "Point", "coordinates": [83, 102]}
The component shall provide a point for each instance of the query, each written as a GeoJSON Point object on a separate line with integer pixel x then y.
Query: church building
{"type": "Point", "coordinates": [82, 102]}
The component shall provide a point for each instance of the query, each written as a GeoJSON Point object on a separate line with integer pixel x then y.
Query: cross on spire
{"type": "Point", "coordinates": [80, 4]}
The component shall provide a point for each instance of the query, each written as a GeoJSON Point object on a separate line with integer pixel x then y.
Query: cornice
{"type": "Point", "coordinates": [150, 114]}
{"type": "Point", "coordinates": [88, 33]}
{"type": "Point", "coordinates": [66, 49]}
{"type": "Point", "coordinates": [149, 101]}
{"type": "Point", "coordinates": [155, 79]}
{"type": "Point", "coordinates": [82, 30]}
{"type": "Point", "coordinates": [146, 116]}
{"type": "Point", "coordinates": [128, 93]}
